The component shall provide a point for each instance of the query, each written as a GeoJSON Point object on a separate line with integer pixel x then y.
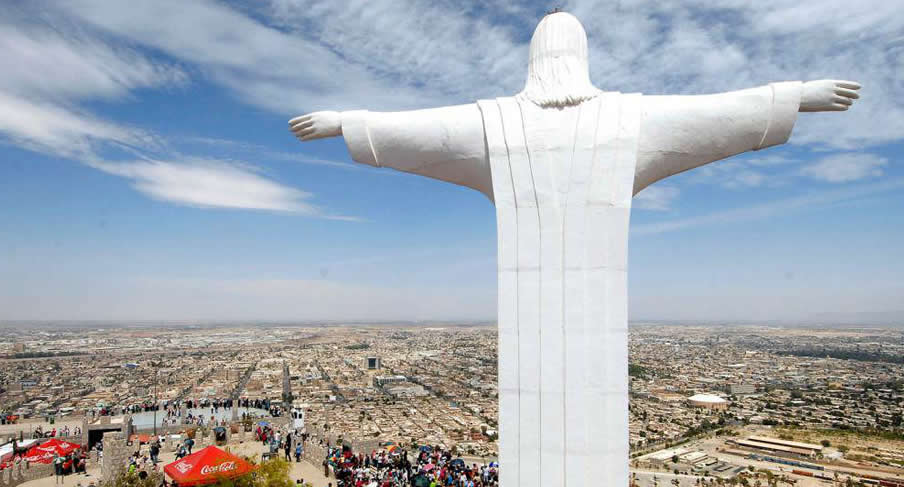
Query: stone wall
{"type": "Point", "coordinates": [115, 454]}
{"type": "Point", "coordinates": [24, 472]}
{"type": "Point", "coordinates": [357, 444]}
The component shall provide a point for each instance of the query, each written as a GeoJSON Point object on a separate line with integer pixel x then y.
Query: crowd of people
{"type": "Point", "coordinates": [290, 443]}
{"type": "Point", "coordinates": [389, 466]}
{"type": "Point", "coordinates": [175, 406]}
{"type": "Point", "coordinates": [63, 432]}
{"type": "Point", "coordinates": [393, 467]}
{"type": "Point", "coordinates": [75, 462]}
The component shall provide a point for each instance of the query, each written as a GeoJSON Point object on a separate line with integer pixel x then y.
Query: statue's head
{"type": "Point", "coordinates": [558, 73]}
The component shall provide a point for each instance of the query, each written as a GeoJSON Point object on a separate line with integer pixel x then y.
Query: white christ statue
{"type": "Point", "coordinates": [561, 160]}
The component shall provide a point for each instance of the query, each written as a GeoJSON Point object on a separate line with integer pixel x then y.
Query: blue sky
{"type": "Point", "coordinates": [146, 170]}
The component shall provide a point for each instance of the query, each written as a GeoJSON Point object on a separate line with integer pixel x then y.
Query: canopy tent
{"type": "Point", "coordinates": [142, 438]}
{"type": "Point", "coordinates": [45, 452]}
{"type": "Point", "coordinates": [6, 452]}
{"type": "Point", "coordinates": [207, 466]}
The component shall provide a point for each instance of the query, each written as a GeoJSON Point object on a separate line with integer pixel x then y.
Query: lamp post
{"type": "Point", "coordinates": [156, 366]}
{"type": "Point", "coordinates": [155, 402]}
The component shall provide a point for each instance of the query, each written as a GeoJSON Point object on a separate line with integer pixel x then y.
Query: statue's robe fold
{"type": "Point", "coordinates": [562, 182]}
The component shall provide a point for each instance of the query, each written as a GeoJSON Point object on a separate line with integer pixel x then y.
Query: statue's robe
{"type": "Point", "coordinates": [562, 180]}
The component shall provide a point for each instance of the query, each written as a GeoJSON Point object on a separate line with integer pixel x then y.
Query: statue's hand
{"type": "Point", "coordinates": [827, 95]}
{"type": "Point", "coordinates": [316, 125]}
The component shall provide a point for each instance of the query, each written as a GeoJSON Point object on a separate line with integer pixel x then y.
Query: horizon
{"type": "Point", "coordinates": [890, 323]}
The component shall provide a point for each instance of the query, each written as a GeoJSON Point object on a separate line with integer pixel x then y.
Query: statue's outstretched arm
{"type": "Point", "coordinates": [679, 133]}
{"type": "Point", "coordinates": [443, 143]}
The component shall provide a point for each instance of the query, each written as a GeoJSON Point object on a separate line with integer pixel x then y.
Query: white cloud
{"type": "Point", "coordinates": [770, 160]}
{"type": "Point", "coordinates": [746, 178]}
{"type": "Point", "coordinates": [59, 130]}
{"type": "Point", "coordinates": [696, 46]}
{"type": "Point", "coordinates": [249, 149]}
{"type": "Point", "coordinates": [656, 197]}
{"type": "Point", "coordinates": [843, 168]}
{"type": "Point", "coordinates": [48, 69]}
{"type": "Point", "coordinates": [64, 64]}
{"type": "Point", "coordinates": [211, 184]}
{"type": "Point", "coordinates": [383, 54]}
{"type": "Point", "coordinates": [52, 66]}
{"type": "Point", "coordinates": [264, 65]}
{"type": "Point", "coordinates": [770, 209]}
{"type": "Point", "coordinates": [291, 56]}
{"type": "Point", "coordinates": [735, 174]}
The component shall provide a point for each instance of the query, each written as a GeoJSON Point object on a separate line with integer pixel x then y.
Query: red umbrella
{"type": "Point", "coordinates": [44, 452]}
{"type": "Point", "coordinates": [207, 466]}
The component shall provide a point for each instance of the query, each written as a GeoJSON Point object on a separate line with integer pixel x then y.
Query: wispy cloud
{"type": "Point", "coordinates": [60, 62]}
{"type": "Point", "coordinates": [59, 130]}
{"type": "Point", "coordinates": [212, 184]}
{"type": "Point", "coordinates": [49, 69]}
{"type": "Point", "coordinates": [691, 46]}
{"type": "Point", "coordinates": [770, 209]}
{"type": "Point", "coordinates": [261, 151]}
{"type": "Point", "coordinates": [734, 174]}
{"type": "Point", "coordinates": [657, 197]}
{"type": "Point", "coordinates": [52, 67]}
{"type": "Point", "coordinates": [843, 168]}
{"type": "Point", "coordinates": [290, 56]}
{"type": "Point", "coordinates": [771, 160]}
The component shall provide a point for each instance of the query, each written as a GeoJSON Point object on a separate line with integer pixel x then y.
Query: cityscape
{"type": "Point", "coordinates": [706, 401]}
{"type": "Point", "coordinates": [418, 243]}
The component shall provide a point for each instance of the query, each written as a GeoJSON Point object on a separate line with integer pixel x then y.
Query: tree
{"type": "Point", "coordinates": [126, 479]}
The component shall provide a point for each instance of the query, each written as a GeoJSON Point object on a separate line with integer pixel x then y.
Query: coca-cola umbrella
{"type": "Point", "coordinates": [44, 452]}
{"type": "Point", "coordinates": [207, 466]}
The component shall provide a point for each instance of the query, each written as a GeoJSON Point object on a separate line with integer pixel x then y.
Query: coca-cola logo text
{"type": "Point", "coordinates": [223, 467]}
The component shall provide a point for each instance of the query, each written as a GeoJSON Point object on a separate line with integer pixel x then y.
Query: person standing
{"type": "Point", "coordinates": [58, 468]}
{"type": "Point", "coordinates": [155, 450]}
